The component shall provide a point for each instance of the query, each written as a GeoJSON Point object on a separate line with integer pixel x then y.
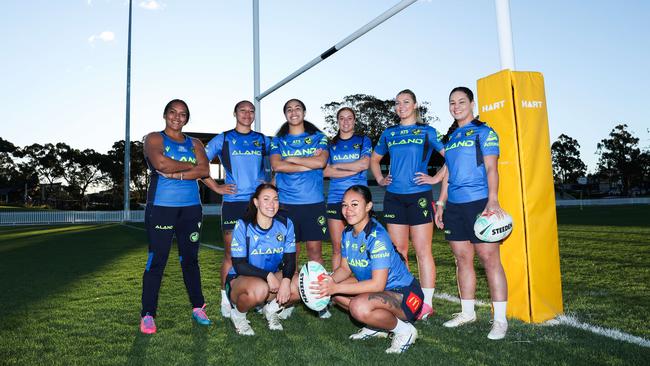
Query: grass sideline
{"type": "Point", "coordinates": [70, 295]}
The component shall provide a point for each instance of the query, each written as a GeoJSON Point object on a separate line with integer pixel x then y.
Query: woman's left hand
{"type": "Point", "coordinates": [166, 175]}
{"type": "Point", "coordinates": [284, 293]}
{"type": "Point", "coordinates": [325, 287]}
{"type": "Point", "coordinates": [421, 178]}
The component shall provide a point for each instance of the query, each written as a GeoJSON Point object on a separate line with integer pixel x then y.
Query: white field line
{"type": "Point", "coordinates": [571, 322]}
{"type": "Point", "coordinates": [205, 245]}
{"type": "Point", "coordinates": [560, 320]}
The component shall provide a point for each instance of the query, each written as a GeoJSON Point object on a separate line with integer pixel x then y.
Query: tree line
{"type": "Point", "coordinates": [61, 176]}
{"type": "Point", "coordinates": [622, 164]}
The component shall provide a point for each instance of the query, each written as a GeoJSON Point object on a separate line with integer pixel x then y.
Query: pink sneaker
{"type": "Point", "coordinates": [200, 316]}
{"type": "Point", "coordinates": [147, 325]}
{"type": "Point", "coordinates": [426, 312]}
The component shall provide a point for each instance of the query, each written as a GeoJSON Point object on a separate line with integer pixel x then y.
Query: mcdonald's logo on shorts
{"type": "Point", "coordinates": [413, 302]}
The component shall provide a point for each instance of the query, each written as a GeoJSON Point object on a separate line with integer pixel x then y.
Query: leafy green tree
{"type": "Point", "coordinates": [8, 167]}
{"type": "Point", "coordinates": [567, 165]}
{"type": "Point", "coordinates": [619, 157]}
{"type": "Point", "coordinates": [139, 175]}
{"type": "Point", "coordinates": [82, 170]}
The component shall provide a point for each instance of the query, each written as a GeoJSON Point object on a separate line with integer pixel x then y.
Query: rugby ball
{"type": "Point", "coordinates": [311, 272]}
{"type": "Point", "coordinates": [491, 228]}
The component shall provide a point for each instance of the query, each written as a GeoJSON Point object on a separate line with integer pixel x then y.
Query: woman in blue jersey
{"type": "Point", "coordinates": [264, 262]}
{"type": "Point", "coordinates": [470, 189]}
{"type": "Point", "coordinates": [373, 283]}
{"type": "Point", "coordinates": [243, 153]}
{"type": "Point", "coordinates": [349, 158]}
{"type": "Point", "coordinates": [408, 201]}
{"type": "Point", "coordinates": [173, 209]}
{"type": "Point", "coordinates": [298, 156]}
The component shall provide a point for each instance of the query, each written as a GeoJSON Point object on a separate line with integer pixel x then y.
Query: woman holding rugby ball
{"type": "Point", "coordinates": [263, 251]}
{"type": "Point", "coordinates": [349, 158]}
{"type": "Point", "coordinates": [470, 189]}
{"type": "Point", "coordinates": [408, 201]}
{"type": "Point", "coordinates": [372, 282]}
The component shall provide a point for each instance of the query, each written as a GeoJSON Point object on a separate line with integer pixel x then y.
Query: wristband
{"type": "Point", "coordinates": [181, 175]}
{"type": "Point", "coordinates": [440, 204]}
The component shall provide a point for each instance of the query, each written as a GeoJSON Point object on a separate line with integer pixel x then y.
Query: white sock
{"type": "Point", "coordinates": [273, 306]}
{"type": "Point", "coordinates": [224, 297]}
{"type": "Point", "coordinates": [401, 327]}
{"type": "Point", "coordinates": [468, 306]}
{"type": "Point", "coordinates": [500, 311]}
{"type": "Point", "coordinates": [235, 313]}
{"type": "Point", "coordinates": [428, 295]}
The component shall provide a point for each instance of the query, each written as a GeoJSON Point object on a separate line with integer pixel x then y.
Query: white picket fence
{"type": "Point", "coordinates": [86, 217]}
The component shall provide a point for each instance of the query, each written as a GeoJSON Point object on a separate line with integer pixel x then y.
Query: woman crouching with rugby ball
{"type": "Point", "coordinates": [373, 283]}
{"type": "Point", "coordinates": [263, 253]}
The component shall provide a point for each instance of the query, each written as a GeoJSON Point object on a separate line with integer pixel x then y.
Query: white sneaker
{"type": "Point", "coordinates": [242, 325]}
{"type": "Point", "coordinates": [272, 317]}
{"type": "Point", "coordinates": [367, 333]}
{"type": "Point", "coordinates": [324, 314]}
{"type": "Point", "coordinates": [225, 309]}
{"type": "Point", "coordinates": [498, 331]}
{"type": "Point", "coordinates": [402, 341]}
{"type": "Point", "coordinates": [459, 319]}
{"type": "Point", "coordinates": [286, 312]}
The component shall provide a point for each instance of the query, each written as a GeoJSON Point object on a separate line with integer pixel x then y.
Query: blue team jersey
{"type": "Point", "coordinates": [410, 149]}
{"type": "Point", "coordinates": [371, 250]}
{"type": "Point", "coordinates": [173, 192]}
{"type": "Point", "coordinates": [464, 158]}
{"type": "Point", "coordinates": [302, 187]}
{"type": "Point", "coordinates": [244, 158]}
{"type": "Point", "coordinates": [263, 248]}
{"type": "Point", "coordinates": [347, 151]}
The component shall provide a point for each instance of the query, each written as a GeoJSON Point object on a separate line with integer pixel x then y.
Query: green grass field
{"type": "Point", "coordinates": [71, 295]}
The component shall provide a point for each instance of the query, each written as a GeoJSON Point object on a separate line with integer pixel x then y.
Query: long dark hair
{"type": "Point", "coordinates": [365, 192]}
{"type": "Point", "coordinates": [468, 92]}
{"type": "Point", "coordinates": [169, 106]}
{"type": "Point", "coordinates": [336, 138]}
{"type": "Point", "coordinates": [310, 128]}
{"type": "Point", "coordinates": [251, 211]}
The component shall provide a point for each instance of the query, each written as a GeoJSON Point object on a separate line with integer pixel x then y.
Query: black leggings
{"type": "Point", "coordinates": [162, 224]}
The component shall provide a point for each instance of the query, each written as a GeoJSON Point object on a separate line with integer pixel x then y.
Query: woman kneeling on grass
{"type": "Point", "coordinates": [263, 253]}
{"type": "Point", "coordinates": [373, 283]}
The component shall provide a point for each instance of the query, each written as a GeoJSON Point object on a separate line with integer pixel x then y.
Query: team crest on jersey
{"type": "Point", "coordinates": [469, 133]}
{"type": "Point", "coordinates": [362, 248]}
{"type": "Point", "coordinates": [392, 133]}
{"type": "Point", "coordinates": [422, 202]}
{"type": "Point", "coordinates": [321, 220]}
{"type": "Point", "coordinates": [308, 140]}
{"type": "Point", "coordinates": [280, 237]}
{"type": "Point", "coordinates": [255, 237]}
{"type": "Point", "coordinates": [347, 244]}
{"type": "Point", "coordinates": [234, 141]}
{"type": "Point", "coordinates": [356, 146]}
{"type": "Point", "coordinates": [333, 147]}
{"type": "Point", "coordinates": [166, 148]}
{"type": "Point", "coordinates": [256, 143]}
{"type": "Point", "coordinates": [417, 131]}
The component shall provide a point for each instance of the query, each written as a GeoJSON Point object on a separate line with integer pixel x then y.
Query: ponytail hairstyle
{"type": "Point", "coordinates": [418, 117]}
{"type": "Point", "coordinates": [310, 128]}
{"type": "Point", "coordinates": [365, 192]}
{"type": "Point", "coordinates": [251, 211]}
{"type": "Point", "coordinates": [338, 134]}
{"type": "Point", "coordinates": [468, 92]}
{"type": "Point", "coordinates": [169, 106]}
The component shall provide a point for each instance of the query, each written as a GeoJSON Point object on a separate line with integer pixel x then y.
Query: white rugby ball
{"type": "Point", "coordinates": [491, 228]}
{"type": "Point", "coordinates": [311, 272]}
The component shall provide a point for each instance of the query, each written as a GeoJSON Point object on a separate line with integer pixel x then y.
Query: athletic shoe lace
{"type": "Point", "coordinates": [148, 321]}
{"type": "Point", "coordinates": [200, 313]}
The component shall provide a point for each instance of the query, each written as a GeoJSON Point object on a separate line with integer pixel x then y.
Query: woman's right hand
{"type": "Point", "coordinates": [224, 189]}
{"type": "Point", "coordinates": [438, 217]}
{"type": "Point", "coordinates": [386, 180]}
{"type": "Point", "coordinates": [273, 282]}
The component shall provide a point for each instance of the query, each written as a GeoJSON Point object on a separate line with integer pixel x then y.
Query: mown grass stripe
{"type": "Point", "coordinates": [205, 245]}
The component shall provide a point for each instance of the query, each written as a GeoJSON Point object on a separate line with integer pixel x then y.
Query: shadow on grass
{"type": "Point", "coordinates": [39, 262]}
{"type": "Point", "coordinates": [138, 351]}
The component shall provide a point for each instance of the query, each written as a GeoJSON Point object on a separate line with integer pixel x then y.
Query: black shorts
{"type": "Point", "coordinates": [412, 299]}
{"type": "Point", "coordinates": [231, 212]}
{"type": "Point", "coordinates": [408, 209]}
{"type": "Point", "coordinates": [309, 221]}
{"type": "Point", "coordinates": [334, 211]}
{"type": "Point", "coordinates": [459, 219]}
